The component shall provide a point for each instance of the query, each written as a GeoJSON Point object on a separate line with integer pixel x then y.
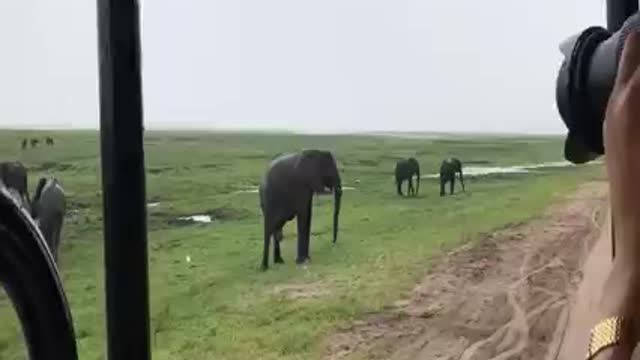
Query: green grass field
{"type": "Point", "coordinates": [220, 306]}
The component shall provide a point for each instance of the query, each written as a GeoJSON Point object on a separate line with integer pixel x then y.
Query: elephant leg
{"type": "Point", "coordinates": [277, 237]}
{"type": "Point", "coordinates": [399, 186]}
{"type": "Point", "coordinates": [453, 181]}
{"type": "Point", "coordinates": [442, 183]}
{"type": "Point", "coordinates": [304, 230]}
{"type": "Point", "coordinates": [268, 230]}
{"type": "Point", "coordinates": [412, 190]}
{"type": "Point", "coordinates": [308, 233]}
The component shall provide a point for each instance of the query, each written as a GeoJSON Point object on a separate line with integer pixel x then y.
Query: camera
{"type": "Point", "coordinates": [584, 83]}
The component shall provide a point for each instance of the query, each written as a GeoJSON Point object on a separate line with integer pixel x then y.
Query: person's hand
{"type": "Point", "coordinates": [622, 146]}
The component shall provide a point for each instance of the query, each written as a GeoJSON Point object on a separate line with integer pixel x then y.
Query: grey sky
{"type": "Point", "coordinates": [330, 65]}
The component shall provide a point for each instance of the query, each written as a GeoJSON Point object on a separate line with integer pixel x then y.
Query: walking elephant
{"type": "Point", "coordinates": [34, 142]}
{"type": "Point", "coordinates": [405, 170]}
{"type": "Point", "coordinates": [49, 141]}
{"type": "Point", "coordinates": [48, 211]}
{"type": "Point", "coordinates": [287, 191]}
{"type": "Point", "coordinates": [448, 170]}
{"type": "Point", "coordinates": [14, 176]}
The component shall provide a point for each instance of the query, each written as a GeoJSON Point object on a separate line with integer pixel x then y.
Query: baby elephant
{"type": "Point", "coordinates": [287, 192]}
{"type": "Point", "coordinates": [448, 170]}
{"type": "Point", "coordinates": [48, 209]}
{"type": "Point", "coordinates": [405, 170]}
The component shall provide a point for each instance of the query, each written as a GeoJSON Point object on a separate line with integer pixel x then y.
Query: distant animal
{"type": "Point", "coordinates": [404, 171]}
{"type": "Point", "coordinates": [34, 142]}
{"type": "Point", "coordinates": [14, 176]}
{"type": "Point", "coordinates": [24, 144]}
{"type": "Point", "coordinates": [49, 141]}
{"type": "Point", "coordinates": [287, 191]}
{"type": "Point", "coordinates": [48, 211]}
{"type": "Point", "coordinates": [448, 170]}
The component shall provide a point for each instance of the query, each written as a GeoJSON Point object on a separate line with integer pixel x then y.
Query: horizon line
{"type": "Point", "coordinates": [293, 131]}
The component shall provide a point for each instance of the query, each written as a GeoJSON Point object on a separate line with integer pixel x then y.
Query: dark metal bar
{"type": "Point", "coordinates": [123, 181]}
{"type": "Point", "coordinates": [618, 11]}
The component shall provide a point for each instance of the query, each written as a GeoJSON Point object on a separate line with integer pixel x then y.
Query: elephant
{"type": "Point", "coordinates": [34, 142]}
{"type": "Point", "coordinates": [405, 169]}
{"type": "Point", "coordinates": [49, 141]}
{"type": "Point", "coordinates": [287, 191]}
{"type": "Point", "coordinates": [448, 170]}
{"type": "Point", "coordinates": [48, 211]}
{"type": "Point", "coordinates": [24, 144]}
{"type": "Point", "coordinates": [14, 176]}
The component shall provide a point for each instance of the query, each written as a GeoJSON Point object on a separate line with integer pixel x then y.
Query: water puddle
{"type": "Point", "coordinates": [153, 204]}
{"type": "Point", "coordinates": [216, 215]}
{"type": "Point", "coordinates": [518, 169]}
{"type": "Point", "coordinates": [199, 218]}
{"type": "Point", "coordinates": [247, 191]}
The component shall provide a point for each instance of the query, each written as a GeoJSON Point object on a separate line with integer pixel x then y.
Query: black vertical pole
{"type": "Point", "coordinates": [618, 11]}
{"type": "Point", "coordinates": [123, 181]}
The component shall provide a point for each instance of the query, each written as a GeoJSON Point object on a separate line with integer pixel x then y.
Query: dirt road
{"type": "Point", "coordinates": [504, 297]}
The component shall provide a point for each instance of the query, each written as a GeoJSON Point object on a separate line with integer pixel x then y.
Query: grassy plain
{"type": "Point", "coordinates": [219, 306]}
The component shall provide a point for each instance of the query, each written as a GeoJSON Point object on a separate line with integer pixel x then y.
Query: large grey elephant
{"type": "Point", "coordinates": [287, 191]}
{"type": "Point", "coordinates": [48, 211]}
{"type": "Point", "coordinates": [14, 176]}
{"type": "Point", "coordinates": [448, 170]}
{"type": "Point", "coordinates": [405, 170]}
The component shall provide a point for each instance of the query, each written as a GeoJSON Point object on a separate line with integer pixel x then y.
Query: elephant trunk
{"type": "Point", "coordinates": [337, 193]}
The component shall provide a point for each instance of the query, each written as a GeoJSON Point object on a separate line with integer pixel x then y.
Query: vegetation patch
{"type": "Point", "coordinates": [159, 169]}
{"type": "Point", "coordinates": [228, 213]}
{"type": "Point", "coordinates": [51, 166]}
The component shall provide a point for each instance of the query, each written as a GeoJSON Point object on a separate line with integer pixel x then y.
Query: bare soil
{"type": "Point", "coordinates": [503, 297]}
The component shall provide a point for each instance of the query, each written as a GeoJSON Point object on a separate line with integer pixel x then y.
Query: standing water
{"type": "Point", "coordinates": [517, 169]}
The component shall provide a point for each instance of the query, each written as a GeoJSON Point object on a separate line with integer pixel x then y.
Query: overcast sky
{"type": "Point", "coordinates": [324, 65]}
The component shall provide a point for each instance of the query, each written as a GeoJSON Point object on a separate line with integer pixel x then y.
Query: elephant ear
{"type": "Point", "coordinates": [311, 168]}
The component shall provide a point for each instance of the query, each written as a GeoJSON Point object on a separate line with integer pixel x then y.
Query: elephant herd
{"type": "Point", "coordinates": [48, 140]}
{"type": "Point", "coordinates": [406, 169]}
{"type": "Point", "coordinates": [285, 192]}
{"type": "Point", "coordinates": [48, 206]}
{"type": "Point", "coordinates": [291, 180]}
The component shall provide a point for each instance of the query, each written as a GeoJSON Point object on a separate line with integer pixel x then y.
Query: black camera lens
{"type": "Point", "coordinates": [584, 84]}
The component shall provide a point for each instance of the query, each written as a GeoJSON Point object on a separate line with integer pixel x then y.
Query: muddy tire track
{"type": "Point", "coordinates": [503, 297]}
